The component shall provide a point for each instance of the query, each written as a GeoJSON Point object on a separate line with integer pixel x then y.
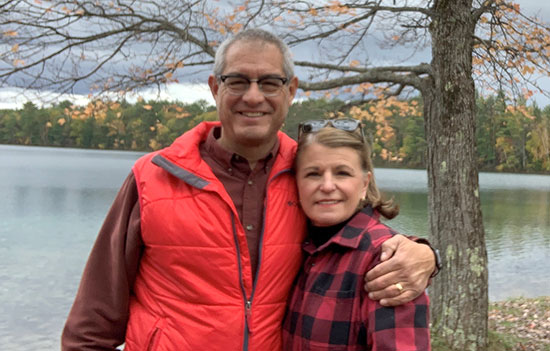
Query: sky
{"type": "Point", "coordinates": [11, 98]}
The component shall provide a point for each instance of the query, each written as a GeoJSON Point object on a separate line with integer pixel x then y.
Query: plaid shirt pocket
{"type": "Point", "coordinates": [327, 320]}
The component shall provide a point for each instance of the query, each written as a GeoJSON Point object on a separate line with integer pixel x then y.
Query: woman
{"type": "Point", "coordinates": [328, 308]}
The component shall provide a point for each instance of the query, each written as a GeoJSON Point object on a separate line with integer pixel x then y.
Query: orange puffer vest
{"type": "Point", "coordinates": [195, 290]}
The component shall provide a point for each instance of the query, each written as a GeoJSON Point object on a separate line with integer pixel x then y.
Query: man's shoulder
{"type": "Point", "coordinates": [287, 148]}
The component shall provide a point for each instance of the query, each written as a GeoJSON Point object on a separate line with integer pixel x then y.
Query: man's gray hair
{"type": "Point", "coordinates": [251, 35]}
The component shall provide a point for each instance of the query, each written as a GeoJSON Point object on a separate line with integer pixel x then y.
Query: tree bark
{"type": "Point", "coordinates": [460, 294]}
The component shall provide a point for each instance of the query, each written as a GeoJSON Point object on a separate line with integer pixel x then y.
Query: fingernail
{"type": "Point", "coordinates": [383, 256]}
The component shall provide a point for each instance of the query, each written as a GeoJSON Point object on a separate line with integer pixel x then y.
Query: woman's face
{"type": "Point", "coordinates": [330, 183]}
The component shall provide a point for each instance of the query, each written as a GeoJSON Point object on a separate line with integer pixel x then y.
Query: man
{"type": "Point", "coordinates": [202, 243]}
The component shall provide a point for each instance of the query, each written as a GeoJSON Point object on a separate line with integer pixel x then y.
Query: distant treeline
{"type": "Point", "coordinates": [509, 138]}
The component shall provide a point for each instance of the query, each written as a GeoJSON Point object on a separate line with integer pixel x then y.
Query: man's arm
{"type": "Point", "coordinates": [98, 318]}
{"type": "Point", "coordinates": [404, 262]}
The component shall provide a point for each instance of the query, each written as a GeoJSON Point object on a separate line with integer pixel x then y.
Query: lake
{"type": "Point", "coordinates": [53, 201]}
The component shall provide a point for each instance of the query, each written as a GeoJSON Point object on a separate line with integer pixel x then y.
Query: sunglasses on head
{"type": "Point", "coordinates": [345, 124]}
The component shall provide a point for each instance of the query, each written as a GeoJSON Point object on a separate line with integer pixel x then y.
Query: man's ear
{"type": "Point", "coordinates": [214, 86]}
{"type": "Point", "coordinates": [292, 89]}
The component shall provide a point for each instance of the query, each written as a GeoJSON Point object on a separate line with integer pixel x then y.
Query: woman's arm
{"type": "Point", "coordinates": [404, 327]}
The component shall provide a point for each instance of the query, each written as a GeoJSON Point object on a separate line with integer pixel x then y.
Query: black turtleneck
{"type": "Point", "coordinates": [320, 235]}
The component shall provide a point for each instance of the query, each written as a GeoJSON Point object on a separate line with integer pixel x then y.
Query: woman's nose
{"type": "Point", "coordinates": [327, 184]}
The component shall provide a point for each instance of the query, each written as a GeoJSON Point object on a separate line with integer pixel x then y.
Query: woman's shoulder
{"type": "Point", "coordinates": [367, 224]}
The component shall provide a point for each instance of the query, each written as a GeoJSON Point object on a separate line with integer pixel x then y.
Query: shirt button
{"type": "Point", "coordinates": [250, 182]}
{"type": "Point", "coordinates": [249, 227]}
{"type": "Point", "coordinates": [230, 169]}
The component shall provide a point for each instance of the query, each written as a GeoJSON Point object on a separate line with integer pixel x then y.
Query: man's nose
{"type": "Point", "coordinates": [253, 95]}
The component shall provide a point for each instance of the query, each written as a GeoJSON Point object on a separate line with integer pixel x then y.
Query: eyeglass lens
{"type": "Point", "coordinates": [238, 85]}
{"type": "Point", "coordinates": [348, 125]}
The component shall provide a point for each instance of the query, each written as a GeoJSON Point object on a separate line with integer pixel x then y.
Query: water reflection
{"type": "Point", "coordinates": [517, 227]}
{"type": "Point", "coordinates": [53, 202]}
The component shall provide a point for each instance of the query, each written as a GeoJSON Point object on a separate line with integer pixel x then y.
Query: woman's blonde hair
{"type": "Point", "coordinates": [334, 138]}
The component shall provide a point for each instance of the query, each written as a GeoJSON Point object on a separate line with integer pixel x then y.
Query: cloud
{"type": "Point", "coordinates": [15, 98]}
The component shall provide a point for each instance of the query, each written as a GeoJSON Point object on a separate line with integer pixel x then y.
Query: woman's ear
{"type": "Point", "coordinates": [366, 181]}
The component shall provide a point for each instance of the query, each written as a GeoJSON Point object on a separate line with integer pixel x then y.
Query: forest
{"type": "Point", "coordinates": [510, 138]}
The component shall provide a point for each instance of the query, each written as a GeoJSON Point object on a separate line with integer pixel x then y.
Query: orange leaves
{"type": "Point", "coordinates": [527, 94]}
{"type": "Point", "coordinates": [527, 69]}
{"type": "Point", "coordinates": [337, 8]}
{"type": "Point", "coordinates": [183, 115]}
{"type": "Point", "coordinates": [175, 111]}
{"type": "Point", "coordinates": [513, 50]}
{"type": "Point", "coordinates": [236, 27]}
{"type": "Point", "coordinates": [173, 66]}
{"type": "Point", "coordinates": [521, 110]}
{"type": "Point", "coordinates": [148, 107]}
{"type": "Point", "coordinates": [153, 144]}
{"type": "Point", "coordinates": [97, 109]}
{"type": "Point", "coordinates": [230, 23]}
{"type": "Point", "coordinates": [363, 88]}
{"type": "Point", "coordinates": [354, 63]}
{"type": "Point", "coordinates": [313, 12]}
{"type": "Point", "coordinates": [10, 33]}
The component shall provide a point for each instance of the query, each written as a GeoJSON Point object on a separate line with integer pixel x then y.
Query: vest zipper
{"type": "Point", "coordinates": [248, 313]}
{"type": "Point", "coordinates": [247, 300]}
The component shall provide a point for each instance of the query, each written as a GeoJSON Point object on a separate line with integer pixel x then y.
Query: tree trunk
{"type": "Point", "coordinates": [459, 295]}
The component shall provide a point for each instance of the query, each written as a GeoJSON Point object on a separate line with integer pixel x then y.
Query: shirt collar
{"type": "Point", "coordinates": [228, 159]}
{"type": "Point", "coordinates": [350, 235]}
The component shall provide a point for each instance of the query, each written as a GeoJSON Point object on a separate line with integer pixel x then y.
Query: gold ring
{"type": "Point", "coordinates": [399, 286]}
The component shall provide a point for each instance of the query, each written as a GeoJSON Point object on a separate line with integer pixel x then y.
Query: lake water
{"type": "Point", "coordinates": [53, 201]}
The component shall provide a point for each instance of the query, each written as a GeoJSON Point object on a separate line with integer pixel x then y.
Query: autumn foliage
{"type": "Point", "coordinates": [510, 138]}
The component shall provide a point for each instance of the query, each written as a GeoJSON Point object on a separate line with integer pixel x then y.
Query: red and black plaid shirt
{"type": "Point", "coordinates": [328, 307]}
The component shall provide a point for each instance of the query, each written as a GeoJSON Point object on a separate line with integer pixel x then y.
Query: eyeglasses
{"type": "Point", "coordinates": [238, 85]}
{"type": "Point", "coordinates": [345, 124]}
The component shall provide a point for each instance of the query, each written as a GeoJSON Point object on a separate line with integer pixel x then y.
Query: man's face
{"type": "Point", "coordinates": [251, 119]}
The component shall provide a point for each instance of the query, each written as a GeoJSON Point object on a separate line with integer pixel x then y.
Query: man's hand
{"type": "Point", "coordinates": [403, 273]}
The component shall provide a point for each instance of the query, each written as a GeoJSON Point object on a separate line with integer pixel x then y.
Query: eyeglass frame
{"type": "Point", "coordinates": [223, 77]}
{"type": "Point", "coordinates": [325, 122]}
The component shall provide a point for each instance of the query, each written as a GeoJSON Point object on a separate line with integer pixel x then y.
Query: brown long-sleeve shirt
{"type": "Point", "coordinates": [98, 318]}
